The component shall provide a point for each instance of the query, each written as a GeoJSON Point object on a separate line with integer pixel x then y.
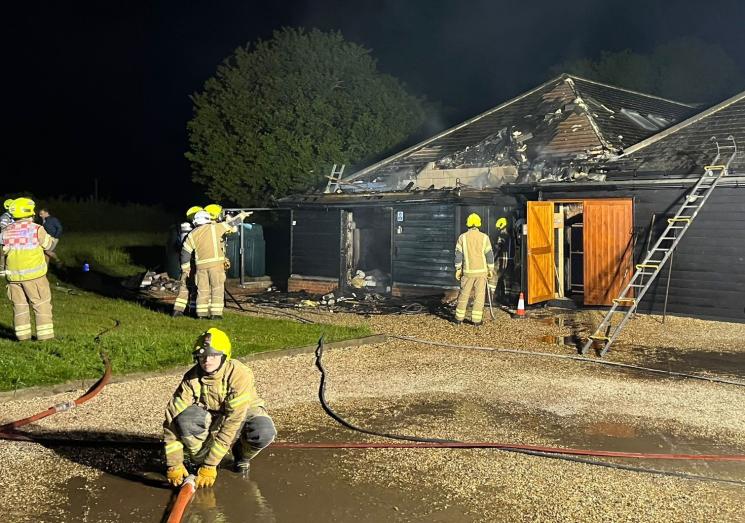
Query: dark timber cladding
{"type": "Point", "coordinates": [424, 244]}
{"type": "Point", "coordinates": [315, 242]}
{"type": "Point", "coordinates": [708, 266]}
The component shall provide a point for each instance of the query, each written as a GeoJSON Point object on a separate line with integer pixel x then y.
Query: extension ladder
{"type": "Point", "coordinates": [632, 294]}
{"type": "Point", "coordinates": [334, 178]}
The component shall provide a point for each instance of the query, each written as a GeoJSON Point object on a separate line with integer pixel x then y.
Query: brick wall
{"type": "Point", "coordinates": [311, 284]}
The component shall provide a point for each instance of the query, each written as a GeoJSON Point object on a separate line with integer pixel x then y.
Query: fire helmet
{"type": "Point", "coordinates": [214, 210]}
{"type": "Point", "coordinates": [502, 223]}
{"type": "Point", "coordinates": [7, 203]}
{"type": "Point", "coordinates": [202, 218]}
{"type": "Point", "coordinates": [22, 208]}
{"type": "Point", "coordinates": [212, 341]}
{"type": "Point", "coordinates": [474, 220]}
{"type": "Point", "coordinates": [192, 211]}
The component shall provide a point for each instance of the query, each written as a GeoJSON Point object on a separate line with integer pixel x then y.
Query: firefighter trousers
{"type": "Point", "coordinates": [195, 426]}
{"type": "Point", "coordinates": [185, 293]}
{"type": "Point", "coordinates": [35, 292]}
{"type": "Point", "coordinates": [210, 291]}
{"type": "Point", "coordinates": [469, 284]}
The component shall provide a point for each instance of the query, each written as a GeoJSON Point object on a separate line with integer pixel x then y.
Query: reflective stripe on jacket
{"type": "Point", "coordinates": [24, 243]}
{"type": "Point", "coordinates": [473, 253]}
{"type": "Point", "coordinates": [205, 243]}
{"type": "Point", "coordinates": [229, 393]}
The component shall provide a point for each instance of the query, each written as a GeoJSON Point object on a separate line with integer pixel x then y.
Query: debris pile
{"type": "Point", "coordinates": [152, 281]}
{"type": "Point", "coordinates": [357, 301]}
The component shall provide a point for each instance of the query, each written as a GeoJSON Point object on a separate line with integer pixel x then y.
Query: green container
{"type": "Point", "coordinates": [254, 251]}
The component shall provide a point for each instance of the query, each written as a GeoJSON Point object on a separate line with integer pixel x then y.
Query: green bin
{"type": "Point", "coordinates": [254, 251]}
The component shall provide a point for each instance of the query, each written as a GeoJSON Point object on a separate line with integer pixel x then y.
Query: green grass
{"type": "Point", "coordinates": [112, 252]}
{"type": "Point", "coordinates": [145, 341]}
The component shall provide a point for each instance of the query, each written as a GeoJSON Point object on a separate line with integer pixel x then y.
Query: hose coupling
{"type": "Point", "coordinates": [65, 405]}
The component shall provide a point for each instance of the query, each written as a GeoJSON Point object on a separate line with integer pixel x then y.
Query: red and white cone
{"type": "Point", "coordinates": [521, 306]}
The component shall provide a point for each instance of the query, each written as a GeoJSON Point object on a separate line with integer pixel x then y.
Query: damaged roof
{"type": "Point", "coordinates": [565, 117]}
{"type": "Point", "coordinates": [687, 147]}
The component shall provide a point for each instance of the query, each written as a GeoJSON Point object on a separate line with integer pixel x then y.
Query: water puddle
{"type": "Point", "coordinates": [313, 485]}
{"type": "Point", "coordinates": [284, 485]}
{"type": "Point", "coordinates": [562, 341]}
{"type": "Point", "coordinates": [730, 364]}
{"type": "Point", "coordinates": [577, 432]}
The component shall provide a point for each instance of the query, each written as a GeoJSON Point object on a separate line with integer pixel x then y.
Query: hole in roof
{"type": "Point", "coordinates": [640, 120]}
{"type": "Point", "coordinates": [659, 120]}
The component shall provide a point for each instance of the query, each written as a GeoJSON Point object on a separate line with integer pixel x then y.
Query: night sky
{"type": "Point", "coordinates": [101, 89]}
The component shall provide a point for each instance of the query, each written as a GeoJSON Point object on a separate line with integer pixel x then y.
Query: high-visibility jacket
{"type": "Point", "coordinates": [205, 243]}
{"type": "Point", "coordinates": [473, 253]}
{"type": "Point", "coordinates": [228, 395]}
{"type": "Point", "coordinates": [24, 243]}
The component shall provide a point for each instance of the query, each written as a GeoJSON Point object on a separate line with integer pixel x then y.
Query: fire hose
{"type": "Point", "coordinates": [185, 493]}
{"type": "Point", "coordinates": [8, 430]}
{"type": "Point", "coordinates": [568, 454]}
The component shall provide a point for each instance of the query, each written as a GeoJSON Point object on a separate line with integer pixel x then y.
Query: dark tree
{"type": "Point", "coordinates": [687, 70]}
{"type": "Point", "coordinates": [279, 113]}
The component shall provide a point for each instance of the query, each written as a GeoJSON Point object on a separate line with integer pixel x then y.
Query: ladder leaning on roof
{"type": "Point", "coordinates": [628, 300]}
{"type": "Point", "coordinates": [334, 179]}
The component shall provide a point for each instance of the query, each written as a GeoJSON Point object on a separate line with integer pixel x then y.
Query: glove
{"type": "Point", "coordinates": [458, 274]}
{"type": "Point", "coordinates": [176, 475]}
{"type": "Point", "coordinates": [206, 476]}
{"type": "Point", "coordinates": [490, 275]}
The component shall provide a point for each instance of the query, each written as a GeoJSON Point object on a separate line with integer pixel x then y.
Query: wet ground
{"type": "Point", "coordinates": [283, 485]}
{"type": "Point", "coordinates": [400, 386]}
{"type": "Point", "coordinates": [288, 485]}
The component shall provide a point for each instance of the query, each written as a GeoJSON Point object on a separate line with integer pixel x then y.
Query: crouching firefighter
{"type": "Point", "coordinates": [474, 265]}
{"type": "Point", "coordinates": [214, 410]}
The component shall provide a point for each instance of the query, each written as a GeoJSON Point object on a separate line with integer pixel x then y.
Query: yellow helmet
{"type": "Point", "coordinates": [214, 210]}
{"type": "Point", "coordinates": [7, 203]}
{"type": "Point", "coordinates": [22, 208]}
{"type": "Point", "coordinates": [474, 220]}
{"type": "Point", "coordinates": [213, 341]}
{"type": "Point", "coordinates": [502, 223]}
{"type": "Point", "coordinates": [194, 209]}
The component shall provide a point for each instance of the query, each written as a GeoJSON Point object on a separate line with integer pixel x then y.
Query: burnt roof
{"type": "Point", "coordinates": [687, 147]}
{"type": "Point", "coordinates": [568, 116]}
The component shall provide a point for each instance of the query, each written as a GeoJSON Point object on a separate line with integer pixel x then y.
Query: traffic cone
{"type": "Point", "coordinates": [521, 306]}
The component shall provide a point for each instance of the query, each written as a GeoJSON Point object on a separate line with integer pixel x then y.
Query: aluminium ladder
{"type": "Point", "coordinates": [627, 302]}
{"type": "Point", "coordinates": [334, 179]}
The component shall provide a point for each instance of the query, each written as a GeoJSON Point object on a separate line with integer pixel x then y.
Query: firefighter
{"type": "Point", "coordinates": [215, 406]}
{"type": "Point", "coordinates": [204, 242]}
{"type": "Point", "coordinates": [216, 215]}
{"type": "Point", "coordinates": [24, 243]}
{"type": "Point", "coordinates": [501, 255]}
{"type": "Point", "coordinates": [186, 281]}
{"type": "Point", "coordinates": [5, 220]}
{"type": "Point", "coordinates": [474, 265]}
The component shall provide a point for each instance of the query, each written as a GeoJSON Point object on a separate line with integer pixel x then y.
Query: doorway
{"type": "Point", "coordinates": [579, 249]}
{"type": "Point", "coordinates": [366, 249]}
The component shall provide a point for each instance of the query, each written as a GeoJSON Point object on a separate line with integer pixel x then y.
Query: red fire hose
{"type": "Point", "coordinates": [185, 493]}
{"type": "Point", "coordinates": [9, 429]}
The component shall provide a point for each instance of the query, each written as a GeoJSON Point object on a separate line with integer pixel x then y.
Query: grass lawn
{"type": "Point", "coordinates": [146, 340]}
{"type": "Point", "coordinates": [113, 253]}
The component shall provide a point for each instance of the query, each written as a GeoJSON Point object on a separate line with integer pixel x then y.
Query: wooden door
{"type": "Point", "coordinates": [608, 248]}
{"type": "Point", "coordinates": [541, 280]}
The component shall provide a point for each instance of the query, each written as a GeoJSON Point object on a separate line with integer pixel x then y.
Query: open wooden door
{"type": "Point", "coordinates": [608, 248]}
{"type": "Point", "coordinates": [541, 280]}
